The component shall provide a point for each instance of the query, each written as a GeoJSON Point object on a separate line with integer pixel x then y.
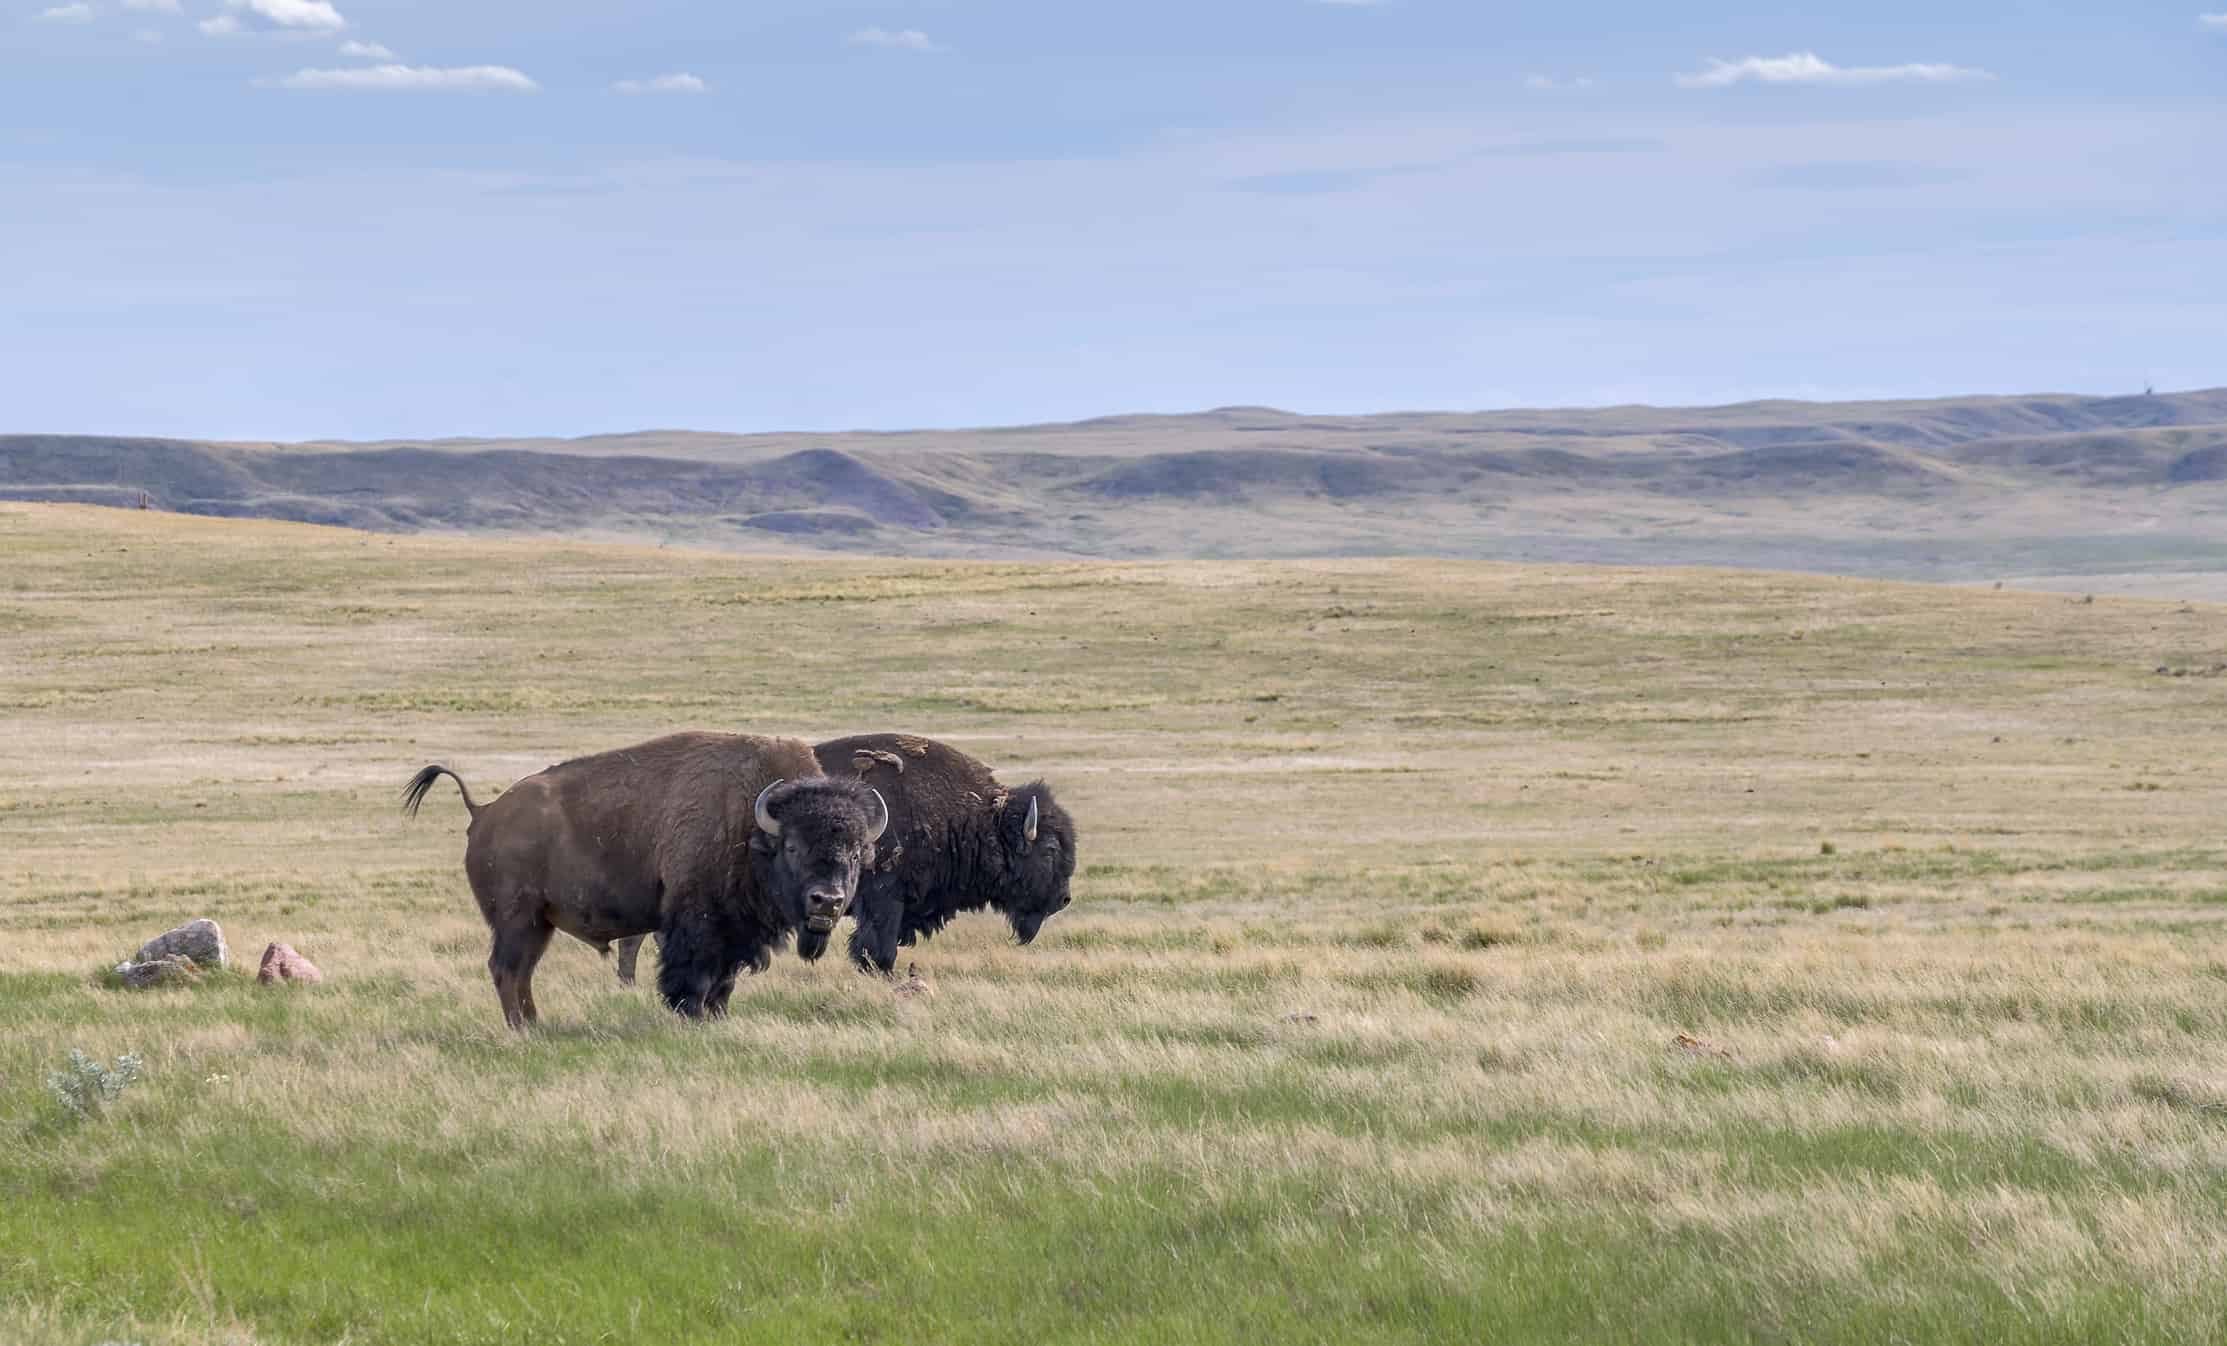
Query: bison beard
{"type": "Point", "coordinates": [958, 842]}
{"type": "Point", "coordinates": [723, 843]}
{"type": "Point", "coordinates": [703, 947]}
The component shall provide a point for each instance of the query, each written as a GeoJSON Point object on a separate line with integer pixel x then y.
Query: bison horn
{"type": "Point", "coordinates": [766, 823]}
{"type": "Point", "coordinates": [877, 822]}
{"type": "Point", "coordinates": [1028, 829]}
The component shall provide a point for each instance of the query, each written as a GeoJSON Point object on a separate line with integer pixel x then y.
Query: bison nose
{"type": "Point", "coordinates": [823, 907]}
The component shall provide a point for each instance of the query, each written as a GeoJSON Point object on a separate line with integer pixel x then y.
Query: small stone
{"type": "Point", "coordinates": [202, 941]}
{"type": "Point", "coordinates": [168, 970]}
{"type": "Point", "coordinates": [282, 963]}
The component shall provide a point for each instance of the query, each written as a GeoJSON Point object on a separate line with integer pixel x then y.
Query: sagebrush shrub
{"type": "Point", "coordinates": [84, 1087]}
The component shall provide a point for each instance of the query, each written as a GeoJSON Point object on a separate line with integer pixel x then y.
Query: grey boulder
{"type": "Point", "coordinates": [202, 941]}
{"type": "Point", "coordinates": [171, 969]}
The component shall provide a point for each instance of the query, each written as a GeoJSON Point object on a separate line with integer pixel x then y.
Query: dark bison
{"type": "Point", "coordinates": [723, 844]}
{"type": "Point", "coordinates": [958, 842]}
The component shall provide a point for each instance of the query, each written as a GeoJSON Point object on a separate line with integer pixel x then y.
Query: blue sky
{"type": "Point", "coordinates": [283, 219]}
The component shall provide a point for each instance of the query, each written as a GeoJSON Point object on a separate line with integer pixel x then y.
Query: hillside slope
{"type": "Point", "coordinates": [1947, 488]}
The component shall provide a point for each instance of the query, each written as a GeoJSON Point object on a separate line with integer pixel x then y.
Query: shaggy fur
{"type": "Point", "coordinates": [955, 844]}
{"type": "Point", "coordinates": [662, 837]}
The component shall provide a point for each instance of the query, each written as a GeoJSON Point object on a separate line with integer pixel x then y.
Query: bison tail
{"type": "Point", "coordinates": [413, 794]}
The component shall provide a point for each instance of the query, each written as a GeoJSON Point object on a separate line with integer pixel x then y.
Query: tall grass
{"type": "Point", "coordinates": [1366, 1025]}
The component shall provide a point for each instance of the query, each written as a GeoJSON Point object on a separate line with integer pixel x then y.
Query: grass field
{"type": "Point", "coordinates": [1400, 881]}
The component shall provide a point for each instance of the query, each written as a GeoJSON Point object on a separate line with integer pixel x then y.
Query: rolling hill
{"type": "Point", "coordinates": [1953, 488]}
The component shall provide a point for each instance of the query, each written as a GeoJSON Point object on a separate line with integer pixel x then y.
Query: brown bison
{"type": "Point", "coordinates": [723, 844]}
{"type": "Point", "coordinates": [958, 842]}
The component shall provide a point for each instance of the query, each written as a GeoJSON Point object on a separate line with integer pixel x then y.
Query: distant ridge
{"type": "Point", "coordinates": [1935, 487]}
{"type": "Point", "coordinates": [1931, 420]}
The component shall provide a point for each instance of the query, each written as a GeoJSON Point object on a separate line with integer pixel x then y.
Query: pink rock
{"type": "Point", "coordinates": [282, 963]}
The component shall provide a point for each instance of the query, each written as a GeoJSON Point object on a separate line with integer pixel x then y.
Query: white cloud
{"type": "Point", "coordinates": [907, 39]}
{"type": "Point", "coordinates": [2218, 21]}
{"type": "Point", "coordinates": [366, 51]}
{"type": "Point", "coordinates": [407, 78]}
{"type": "Point", "coordinates": [220, 25]}
{"type": "Point", "coordinates": [310, 14]}
{"type": "Point", "coordinates": [1550, 82]}
{"type": "Point", "coordinates": [73, 13]}
{"type": "Point", "coordinates": [155, 6]}
{"type": "Point", "coordinates": [149, 36]}
{"type": "Point", "coordinates": [677, 82]}
{"type": "Point", "coordinates": [1806, 67]}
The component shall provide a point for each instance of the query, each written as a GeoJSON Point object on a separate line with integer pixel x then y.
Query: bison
{"type": "Point", "coordinates": [723, 844]}
{"type": "Point", "coordinates": [959, 842]}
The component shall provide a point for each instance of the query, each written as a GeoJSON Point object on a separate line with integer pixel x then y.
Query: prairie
{"type": "Point", "coordinates": [1462, 951]}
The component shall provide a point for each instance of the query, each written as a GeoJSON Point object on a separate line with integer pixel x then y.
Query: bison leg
{"type": "Point", "coordinates": [874, 941]}
{"type": "Point", "coordinates": [511, 963]}
{"type": "Point", "coordinates": [692, 958]}
{"type": "Point", "coordinates": [715, 1004]}
{"type": "Point", "coordinates": [526, 976]}
{"type": "Point", "coordinates": [629, 950]}
{"type": "Point", "coordinates": [699, 956]}
{"type": "Point", "coordinates": [756, 954]}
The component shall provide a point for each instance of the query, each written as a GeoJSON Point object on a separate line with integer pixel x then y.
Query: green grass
{"type": "Point", "coordinates": [487, 1237]}
{"type": "Point", "coordinates": [1365, 1026]}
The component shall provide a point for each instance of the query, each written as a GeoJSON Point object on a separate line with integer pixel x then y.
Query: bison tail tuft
{"type": "Point", "coordinates": [413, 794]}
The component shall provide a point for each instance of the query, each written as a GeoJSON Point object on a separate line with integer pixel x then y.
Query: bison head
{"type": "Point", "coordinates": [1039, 841]}
{"type": "Point", "coordinates": [812, 838]}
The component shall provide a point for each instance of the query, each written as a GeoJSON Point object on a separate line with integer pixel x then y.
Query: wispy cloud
{"type": "Point", "coordinates": [155, 6]}
{"type": "Point", "coordinates": [1330, 181]}
{"type": "Point", "coordinates": [1857, 176]}
{"type": "Point", "coordinates": [677, 82]}
{"type": "Point", "coordinates": [1313, 182]}
{"type": "Point", "coordinates": [74, 13]}
{"type": "Point", "coordinates": [412, 78]}
{"type": "Point", "coordinates": [904, 39]}
{"type": "Point", "coordinates": [149, 36]}
{"type": "Point", "coordinates": [366, 51]}
{"type": "Point", "coordinates": [1352, 4]}
{"type": "Point", "coordinates": [310, 15]}
{"type": "Point", "coordinates": [1552, 149]}
{"type": "Point", "coordinates": [1544, 82]}
{"type": "Point", "coordinates": [220, 25]}
{"type": "Point", "coordinates": [2218, 21]}
{"type": "Point", "coordinates": [1806, 67]}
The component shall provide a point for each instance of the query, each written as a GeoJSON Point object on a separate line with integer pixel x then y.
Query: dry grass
{"type": "Point", "coordinates": [1400, 878]}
